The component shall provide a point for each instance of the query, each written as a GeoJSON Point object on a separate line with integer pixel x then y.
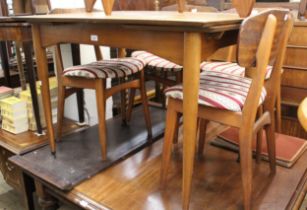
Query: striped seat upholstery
{"type": "Point", "coordinates": [156, 62]}
{"type": "Point", "coordinates": [112, 68]}
{"type": "Point", "coordinates": [219, 90]}
{"type": "Point", "coordinates": [230, 68]}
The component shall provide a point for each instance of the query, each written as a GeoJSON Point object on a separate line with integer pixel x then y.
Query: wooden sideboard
{"type": "Point", "coordinates": [294, 79]}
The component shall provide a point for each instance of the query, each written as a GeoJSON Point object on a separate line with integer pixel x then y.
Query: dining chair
{"type": "Point", "coordinates": [302, 114]}
{"type": "Point", "coordinates": [234, 100]}
{"type": "Point", "coordinates": [231, 67]}
{"type": "Point", "coordinates": [93, 76]}
{"type": "Point", "coordinates": [161, 70]}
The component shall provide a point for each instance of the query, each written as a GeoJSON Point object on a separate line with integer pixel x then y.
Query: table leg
{"type": "Point", "coordinates": [5, 63]}
{"type": "Point", "coordinates": [27, 190]}
{"type": "Point", "coordinates": [45, 201]}
{"type": "Point", "coordinates": [191, 63]}
{"type": "Point", "coordinates": [42, 70]}
{"type": "Point", "coordinates": [27, 47]}
{"type": "Point", "coordinates": [21, 72]}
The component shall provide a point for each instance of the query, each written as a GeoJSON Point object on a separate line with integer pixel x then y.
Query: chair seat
{"type": "Point", "coordinates": [230, 68]}
{"type": "Point", "coordinates": [219, 90]}
{"type": "Point", "coordinates": [112, 68]}
{"type": "Point", "coordinates": [157, 62]}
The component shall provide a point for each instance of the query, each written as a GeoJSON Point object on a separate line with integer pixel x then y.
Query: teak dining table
{"type": "Point", "coordinates": [184, 38]}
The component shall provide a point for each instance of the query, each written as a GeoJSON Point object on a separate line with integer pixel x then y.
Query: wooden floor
{"type": "Point", "coordinates": [134, 183]}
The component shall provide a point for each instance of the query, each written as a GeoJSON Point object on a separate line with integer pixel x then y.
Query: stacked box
{"type": "Point", "coordinates": [26, 96]}
{"type": "Point", "coordinates": [14, 115]}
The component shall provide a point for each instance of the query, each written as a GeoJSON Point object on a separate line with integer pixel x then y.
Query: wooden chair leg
{"type": "Point", "coordinates": [178, 77]}
{"type": "Point", "coordinates": [259, 137]}
{"type": "Point", "coordinates": [143, 94]}
{"type": "Point", "coordinates": [130, 104]}
{"type": "Point", "coordinates": [123, 106]}
{"type": "Point", "coordinates": [177, 122]}
{"type": "Point", "coordinates": [101, 110]}
{"type": "Point", "coordinates": [61, 105]}
{"type": "Point", "coordinates": [246, 165]}
{"type": "Point", "coordinates": [278, 112]}
{"type": "Point", "coordinates": [271, 145]}
{"type": "Point", "coordinates": [171, 117]}
{"type": "Point", "coordinates": [202, 136]}
{"type": "Point", "coordinates": [164, 76]}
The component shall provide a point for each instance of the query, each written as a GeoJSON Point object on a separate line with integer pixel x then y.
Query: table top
{"type": "Point", "coordinates": [152, 18]}
{"type": "Point", "coordinates": [10, 21]}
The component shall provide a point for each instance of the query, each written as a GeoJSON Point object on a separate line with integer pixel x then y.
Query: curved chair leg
{"type": "Point", "coordinates": [278, 112]}
{"type": "Point", "coordinates": [123, 105]}
{"type": "Point", "coordinates": [270, 137]}
{"type": "Point", "coordinates": [61, 105]}
{"type": "Point", "coordinates": [130, 104]}
{"type": "Point", "coordinates": [145, 104]}
{"type": "Point", "coordinates": [101, 109]}
{"type": "Point", "coordinates": [246, 165]}
{"type": "Point", "coordinates": [259, 137]}
{"type": "Point", "coordinates": [202, 135]}
{"type": "Point", "coordinates": [171, 116]}
{"type": "Point", "coordinates": [176, 134]}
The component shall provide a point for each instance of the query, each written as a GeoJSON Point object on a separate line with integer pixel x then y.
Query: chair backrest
{"type": "Point", "coordinates": [252, 52]}
{"type": "Point", "coordinates": [256, 37]}
{"type": "Point", "coordinates": [250, 36]}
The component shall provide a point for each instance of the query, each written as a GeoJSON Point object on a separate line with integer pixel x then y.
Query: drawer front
{"type": "Point", "coordinates": [297, 36]}
{"type": "Point", "coordinates": [294, 78]}
{"type": "Point", "coordinates": [292, 95]}
{"type": "Point", "coordinates": [296, 57]}
{"type": "Point", "coordinates": [11, 174]}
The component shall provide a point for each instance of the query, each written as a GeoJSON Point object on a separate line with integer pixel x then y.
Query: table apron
{"type": "Point", "coordinates": [167, 44]}
{"type": "Point", "coordinates": [15, 34]}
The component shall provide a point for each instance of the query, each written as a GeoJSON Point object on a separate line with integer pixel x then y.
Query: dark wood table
{"type": "Point", "coordinates": [186, 39]}
{"type": "Point", "coordinates": [11, 144]}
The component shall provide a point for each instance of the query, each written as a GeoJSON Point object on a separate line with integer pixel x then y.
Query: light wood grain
{"type": "Point", "coordinates": [302, 114]}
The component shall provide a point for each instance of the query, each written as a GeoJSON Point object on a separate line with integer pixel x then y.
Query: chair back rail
{"type": "Point", "coordinates": [250, 35]}
{"type": "Point", "coordinates": [251, 55]}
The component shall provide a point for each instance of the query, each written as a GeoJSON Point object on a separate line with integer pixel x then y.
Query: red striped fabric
{"type": "Point", "coordinates": [112, 68]}
{"type": "Point", "coordinates": [230, 68]}
{"type": "Point", "coordinates": [156, 62]}
{"type": "Point", "coordinates": [220, 90]}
